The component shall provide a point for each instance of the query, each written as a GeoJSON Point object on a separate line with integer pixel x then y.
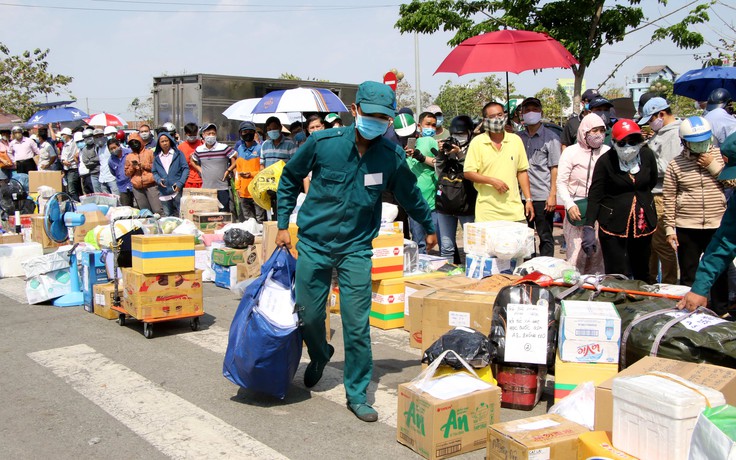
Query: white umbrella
{"type": "Point", "coordinates": [300, 100]}
{"type": "Point", "coordinates": [243, 111]}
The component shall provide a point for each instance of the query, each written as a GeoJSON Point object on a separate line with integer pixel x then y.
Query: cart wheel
{"type": "Point", "coordinates": [121, 319]}
{"type": "Point", "coordinates": [147, 330]}
{"type": "Point", "coordinates": [194, 323]}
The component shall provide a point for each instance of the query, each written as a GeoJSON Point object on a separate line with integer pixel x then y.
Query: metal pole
{"type": "Point", "coordinates": [417, 88]}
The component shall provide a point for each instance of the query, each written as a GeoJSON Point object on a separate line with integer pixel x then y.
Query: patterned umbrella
{"type": "Point", "coordinates": [300, 100]}
{"type": "Point", "coordinates": [106, 119]}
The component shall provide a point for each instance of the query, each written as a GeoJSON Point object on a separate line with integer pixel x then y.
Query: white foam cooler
{"type": "Point", "coordinates": [654, 414]}
{"type": "Point", "coordinates": [12, 256]}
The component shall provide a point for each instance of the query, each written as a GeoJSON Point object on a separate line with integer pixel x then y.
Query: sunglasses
{"type": "Point", "coordinates": [630, 140]}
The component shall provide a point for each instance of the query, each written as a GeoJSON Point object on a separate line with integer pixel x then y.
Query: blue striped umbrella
{"type": "Point", "coordinates": [300, 100]}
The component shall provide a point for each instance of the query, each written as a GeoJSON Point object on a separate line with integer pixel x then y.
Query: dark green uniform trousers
{"type": "Point", "coordinates": [313, 277]}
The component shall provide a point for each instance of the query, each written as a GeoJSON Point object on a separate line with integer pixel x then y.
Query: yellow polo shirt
{"type": "Point", "coordinates": [505, 163]}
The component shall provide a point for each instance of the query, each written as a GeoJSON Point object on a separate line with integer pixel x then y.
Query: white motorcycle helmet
{"type": "Point", "coordinates": [696, 134]}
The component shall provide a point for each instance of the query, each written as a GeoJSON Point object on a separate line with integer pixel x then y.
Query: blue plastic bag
{"type": "Point", "coordinates": [262, 356]}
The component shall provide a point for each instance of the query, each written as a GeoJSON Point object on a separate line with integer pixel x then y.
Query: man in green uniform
{"type": "Point", "coordinates": [721, 250]}
{"type": "Point", "coordinates": [341, 215]}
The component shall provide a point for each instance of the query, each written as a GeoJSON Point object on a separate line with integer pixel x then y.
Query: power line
{"type": "Point", "coordinates": [128, 10]}
{"type": "Point", "coordinates": [255, 5]}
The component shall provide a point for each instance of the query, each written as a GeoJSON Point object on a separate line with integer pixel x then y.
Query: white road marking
{"type": "Point", "coordinates": [174, 426]}
{"type": "Point", "coordinates": [330, 387]}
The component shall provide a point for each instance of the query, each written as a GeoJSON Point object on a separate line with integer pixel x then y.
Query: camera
{"type": "Point", "coordinates": [450, 143]}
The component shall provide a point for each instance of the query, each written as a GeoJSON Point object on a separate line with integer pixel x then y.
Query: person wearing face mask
{"type": "Point", "coordinates": [22, 150]}
{"type": "Point", "coordinates": [276, 148]}
{"type": "Point", "coordinates": [603, 108]}
{"type": "Point", "coordinates": [149, 141]}
{"type": "Point", "coordinates": [139, 167]}
{"type": "Point", "coordinates": [69, 157]}
{"type": "Point", "coordinates": [107, 182]}
{"type": "Point", "coordinates": [620, 200]}
{"type": "Point", "coordinates": [496, 163]}
{"type": "Point", "coordinates": [574, 174]}
{"type": "Point", "coordinates": [455, 200]}
{"type": "Point", "coordinates": [440, 132]}
{"type": "Point", "coordinates": [570, 131]}
{"type": "Point", "coordinates": [246, 167]}
{"type": "Point", "coordinates": [421, 161]}
{"type": "Point", "coordinates": [187, 147]}
{"type": "Point", "coordinates": [297, 133]}
{"type": "Point", "coordinates": [721, 249]}
{"type": "Point", "coordinates": [694, 204]}
{"type": "Point", "coordinates": [170, 171]}
{"type": "Point", "coordinates": [116, 163]}
{"type": "Point", "coordinates": [543, 150]}
{"type": "Point", "coordinates": [341, 215]}
{"type": "Point", "coordinates": [720, 115]}
{"type": "Point", "coordinates": [91, 160]}
{"type": "Point", "coordinates": [666, 145]}
{"type": "Point", "coordinates": [215, 162]}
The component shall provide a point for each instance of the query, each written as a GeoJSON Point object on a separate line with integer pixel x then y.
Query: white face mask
{"type": "Point", "coordinates": [532, 118]}
{"type": "Point", "coordinates": [210, 140]}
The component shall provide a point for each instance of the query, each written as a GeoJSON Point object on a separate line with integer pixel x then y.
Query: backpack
{"type": "Point", "coordinates": [455, 194]}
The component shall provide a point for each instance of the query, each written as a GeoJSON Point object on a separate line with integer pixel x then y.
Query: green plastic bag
{"type": "Point", "coordinates": [714, 436]}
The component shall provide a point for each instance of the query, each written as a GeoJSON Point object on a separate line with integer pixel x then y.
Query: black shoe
{"type": "Point", "coordinates": [315, 369]}
{"type": "Point", "coordinates": [364, 412]}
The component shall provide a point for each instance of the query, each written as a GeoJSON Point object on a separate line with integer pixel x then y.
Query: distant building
{"type": "Point", "coordinates": [645, 78]}
{"type": "Point", "coordinates": [569, 85]}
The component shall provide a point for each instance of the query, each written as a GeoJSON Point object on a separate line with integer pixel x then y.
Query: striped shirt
{"type": "Point", "coordinates": [693, 196]}
{"type": "Point", "coordinates": [271, 153]}
{"type": "Point", "coordinates": [214, 162]}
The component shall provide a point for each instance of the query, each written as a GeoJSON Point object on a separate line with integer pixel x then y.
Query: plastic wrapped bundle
{"type": "Point", "coordinates": [469, 344]}
{"type": "Point", "coordinates": [237, 238]}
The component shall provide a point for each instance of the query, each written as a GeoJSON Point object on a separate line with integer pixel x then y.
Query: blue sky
{"type": "Point", "coordinates": [113, 48]}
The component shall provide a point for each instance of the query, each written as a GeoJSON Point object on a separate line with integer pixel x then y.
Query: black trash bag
{"type": "Point", "coordinates": [237, 238]}
{"type": "Point", "coordinates": [527, 293]}
{"type": "Point", "coordinates": [470, 344]}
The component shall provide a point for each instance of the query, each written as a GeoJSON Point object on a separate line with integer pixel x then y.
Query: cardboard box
{"type": "Point", "coordinates": [162, 296]}
{"type": "Point", "coordinates": [589, 332]}
{"type": "Point", "coordinates": [195, 200]}
{"type": "Point", "coordinates": [104, 298]}
{"type": "Point", "coordinates": [91, 220]}
{"type": "Point", "coordinates": [38, 234]}
{"type": "Point", "coordinates": [444, 310]}
{"type": "Point", "coordinates": [548, 437]}
{"type": "Point", "coordinates": [225, 277]}
{"type": "Point", "coordinates": [51, 179]}
{"type": "Point", "coordinates": [598, 444]}
{"type": "Point", "coordinates": [719, 378]}
{"type": "Point", "coordinates": [333, 300]}
{"type": "Point", "coordinates": [9, 238]}
{"type": "Point", "coordinates": [227, 257]}
{"type": "Point", "coordinates": [436, 428]}
{"type": "Point", "coordinates": [270, 229]}
{"type": "Point", "coordinates": [570, 375]}
{"type": "Point", "coordinates": [394, 227]}
{"type": "Point", "coordinates": [208, 222]}
{"type": "Point", "coordinates": [387, 304]}
{"type": "Point", "coordinates": [416, 301]}
{"type": "Point", "coordinates": [388, 256]}
{"type": "Point", "coordinates": [412, 284]}
{"type": "Point", "coordinates": [93, 272]}
{"type": "Point", "coordinates": [480, 266]}
{"type": "Point", "coordinates": [251, 267]}
{"type": "Point", "coordinates": [157, 254]}
{"type": "Point", "coordinates": [207, 192]}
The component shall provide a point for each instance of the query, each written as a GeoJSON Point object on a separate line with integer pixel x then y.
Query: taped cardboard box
{"type": "Point", "coordinates": [157, 254]}
{"type": "Point", "coordinates": [270, 229]}
{"type": "Point", "coordinates": [598, 444]}
{"type": "Point", "coordinates": [227, 257]}
{"type": "Point", "coordinates": [195, 200]}
{"type": "Point", "coordinates": [38, 179]}
{"type": "Point", "coordinates": [251, 267]}
{"type": "Point", "coordinates": [388, 256]}
{"type": "Point", "coordinates": [38, 233]}
{"type": "Point", "coordinates": [548, 437]}
{"type": "Point", "coordinates": [437, 429]}
{"type": "Point", "coordinates": [570, 375]}
{"type": "Point", "coordinates": [412, 284]}
{"type": "Point", "coordinates": [91, 220]}
{"type": "Point", "coordinates": [9, 238]}
{"type": "Point", "coordinates": [387, 304]}
{"type": "Point", "coordinates": [209, 222]}
{"type": "Point", "coordinates": [719, 378]}
{"type": "Point", "coordinates": [206, 192]}
{"type": "Point", "coordinates": [104, 298]}
{"type": "Point", "coordinates": [225, 277]}
{"type": "Point", "coordinates": [139, 283]}
{"type": "Point", "coordinates": [589, 332]}
{"type": "Point", "coordinates": [162, 296]}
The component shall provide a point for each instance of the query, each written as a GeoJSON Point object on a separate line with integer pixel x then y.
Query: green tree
{"type": "Point", "coordinates": [291, 76]}
{"type": "Point", "coordinates": [613, 92]}
{"type": "Point", "coordinates": [142, 109]}
{"type": "Point", "coordinates": [681, 106]}
{"type": "Point", "coordinates": [469, 99]}
{"type": "Point", "coordinates": [24, 78]}
{"type": "Point", "coordinates": [406, 96]}
{"type": "Point", "coordinates": [582, 26]}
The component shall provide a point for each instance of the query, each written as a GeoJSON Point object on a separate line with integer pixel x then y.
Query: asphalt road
{"type": "Point", "coordinates": [78, 386]}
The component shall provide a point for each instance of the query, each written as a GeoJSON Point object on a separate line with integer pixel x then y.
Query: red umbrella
{"type": "Point", "coordinates": [507, 51]}
{"type": "Point", "coordinates": [106, 119]}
